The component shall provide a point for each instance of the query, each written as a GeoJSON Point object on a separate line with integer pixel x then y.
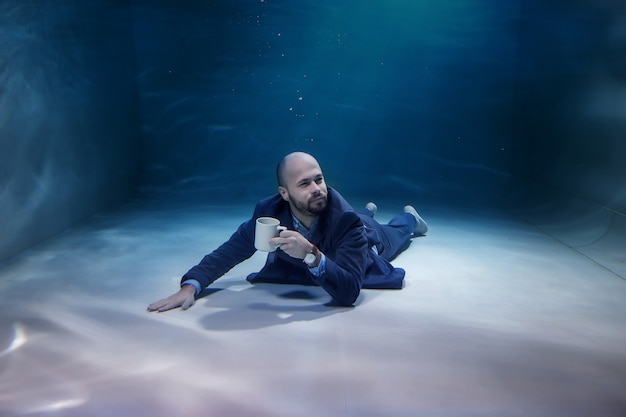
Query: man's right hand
{"type": "Point", "coordinates": [184, 298]}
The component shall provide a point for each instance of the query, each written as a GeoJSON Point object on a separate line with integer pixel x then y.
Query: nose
{"type": "Point", "coordinates": [315, 188]}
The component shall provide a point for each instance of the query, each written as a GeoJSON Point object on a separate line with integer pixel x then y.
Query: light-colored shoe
{"type": "Point", "coordinates": [421, 227]}
{"type": "Point", "coordinates": [372, 208]}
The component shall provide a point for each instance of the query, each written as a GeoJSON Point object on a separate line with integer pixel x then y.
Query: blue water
{"type": "Point", "coordinates": [106, 99]}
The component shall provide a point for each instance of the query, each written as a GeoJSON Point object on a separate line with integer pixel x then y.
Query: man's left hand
{"type": "Point", "coordinates": [293, 244]}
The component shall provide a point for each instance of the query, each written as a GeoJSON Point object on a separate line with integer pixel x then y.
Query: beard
{"type": "Point", "coordinates": [311, 208]}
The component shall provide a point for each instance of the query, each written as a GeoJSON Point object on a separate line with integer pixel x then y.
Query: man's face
{"type": "Point", "coordinates": [305, 188]}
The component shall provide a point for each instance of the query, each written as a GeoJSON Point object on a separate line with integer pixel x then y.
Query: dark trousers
{"type": "Point", "coordinates": [393, 237]}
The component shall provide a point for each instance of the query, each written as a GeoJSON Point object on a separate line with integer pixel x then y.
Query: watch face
{"type": "Point", "coordinates": [309, 258]}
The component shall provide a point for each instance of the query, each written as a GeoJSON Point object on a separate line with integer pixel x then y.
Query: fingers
{"type": "Point", "coordinates": [162, 305]}
{"type": "Point", "coordinates": [288, 237]}
{"type": "Point", "coordinates": [282, 243]}
{"type": "Point", "coordinates": [171, 302]}
{"type": "Point", "coordinates": [156, 305]}
{"type": "Point", "coordinates": [276, 241]}
{"type": "Point", "coordinates": [188, 303]}
{"type": "Point", "coordinates": [288, 233]}
{"type": "Point", "coordinates": [168, 306]}
{"type": "Point", "coordinates": [292, 243]}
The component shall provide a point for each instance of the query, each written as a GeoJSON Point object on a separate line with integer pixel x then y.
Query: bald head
{"type": "Point", "coordinates": [293, 162]}
{"type": "Point", "coordinates": [301, 184]}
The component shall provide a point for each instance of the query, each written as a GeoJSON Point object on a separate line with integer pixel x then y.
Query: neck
{"type": "Point", "coordinates": [306, 220]}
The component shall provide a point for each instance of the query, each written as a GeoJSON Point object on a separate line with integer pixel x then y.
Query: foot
{"type": "Point", "coordinates": [372, 208]}
{"type": "Point", "coordinates": [421, 227]}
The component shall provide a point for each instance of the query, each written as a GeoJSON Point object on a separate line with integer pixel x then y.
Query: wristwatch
{"type": "Point", "coordinates": [311, 257]}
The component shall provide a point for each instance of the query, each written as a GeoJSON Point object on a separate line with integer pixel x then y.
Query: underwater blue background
{"type": "Point", "coordinates": [459, 102]}
{"type": "Point", "coordinates": [383, 93]}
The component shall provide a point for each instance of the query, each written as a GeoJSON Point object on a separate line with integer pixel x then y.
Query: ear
{"type": "Point", "coordinates": [283, 193]}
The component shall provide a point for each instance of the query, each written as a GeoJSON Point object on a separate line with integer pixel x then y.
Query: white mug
{"type": "Point", "coordinates": [266, 228]}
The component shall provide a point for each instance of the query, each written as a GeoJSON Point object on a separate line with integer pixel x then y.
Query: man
{"type": "Point", "coordinates": [326, 242]}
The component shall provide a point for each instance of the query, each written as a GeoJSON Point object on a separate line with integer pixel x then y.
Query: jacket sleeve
{"type": "Point", "coordinates": [346, 257]}
{"type": "Point", "coordinates": [235, 250]}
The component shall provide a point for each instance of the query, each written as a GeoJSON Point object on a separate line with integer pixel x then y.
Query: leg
{"type": "Point", "coordinates": [389, 239]}
{"type": "Point", "coordinates": [397, 235]}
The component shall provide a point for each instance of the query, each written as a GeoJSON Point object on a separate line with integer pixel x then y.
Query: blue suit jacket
{"type": "Point", "coordinates": [340, 235]}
